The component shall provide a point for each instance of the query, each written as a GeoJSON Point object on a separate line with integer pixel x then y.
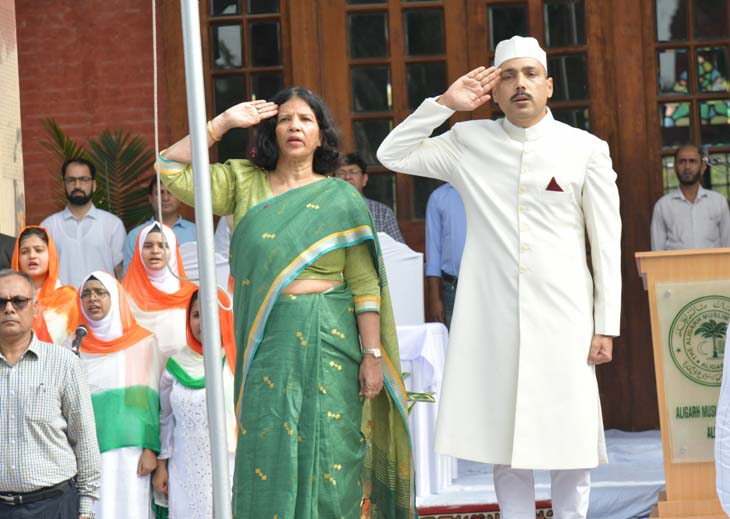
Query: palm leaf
{"type": "Point", "coordinates": [124, 165]}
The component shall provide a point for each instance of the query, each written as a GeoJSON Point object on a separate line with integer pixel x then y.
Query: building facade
{"type": "Point", "coordinates": [644, 75]}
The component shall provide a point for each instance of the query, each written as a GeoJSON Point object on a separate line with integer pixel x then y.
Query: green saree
{"type": "Point", "coordinates": [308, 446]}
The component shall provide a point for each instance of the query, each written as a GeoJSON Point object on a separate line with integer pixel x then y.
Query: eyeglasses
{"type": "Point", "coordinates": [100, 293]}
{"type": "Point", "coordinates": [70, 181]}
{"type": "Point", "coordinates": [18, 302]}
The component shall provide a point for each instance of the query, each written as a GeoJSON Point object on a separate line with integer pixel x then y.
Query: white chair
{"type": "Point", "coordinates": [404, 269]}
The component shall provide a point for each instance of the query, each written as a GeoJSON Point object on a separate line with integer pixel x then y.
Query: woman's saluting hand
{"type": "Point", "coordinates": [247, 114]}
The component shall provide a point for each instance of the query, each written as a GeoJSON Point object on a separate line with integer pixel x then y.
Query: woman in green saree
{"type": "Point", "coordinates": [321, 407]}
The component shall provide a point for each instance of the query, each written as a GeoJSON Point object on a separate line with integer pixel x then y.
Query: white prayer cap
{"type": "Point", "coordinates": [519, 47]}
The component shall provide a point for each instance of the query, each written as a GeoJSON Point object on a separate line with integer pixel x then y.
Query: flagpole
{"type": "Point", "coordinates": [206, 260]}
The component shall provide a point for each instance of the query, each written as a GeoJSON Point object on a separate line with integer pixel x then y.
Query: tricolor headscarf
{"type": "Point", "coordinates": [118, 329]}
{"type": "Point", "coordinates": [154, 290]}
{"type": "Point", "coordinates": [56, 304]}
{"type": "Point", "coordinates": [187, 367]}
{"type": "Point", "coordinates": [228, 339]}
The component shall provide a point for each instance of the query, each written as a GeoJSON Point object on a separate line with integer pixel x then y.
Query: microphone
{"type": "Point", "coordinates": [705, 153]}
{"type": "Point", "coordinates": [80, 333]}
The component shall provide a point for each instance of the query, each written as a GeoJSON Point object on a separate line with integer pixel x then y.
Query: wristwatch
{"type": "Point", "coordinates": [375, 352]}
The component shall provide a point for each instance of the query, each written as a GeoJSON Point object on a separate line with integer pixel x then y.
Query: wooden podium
{"type": "Point", "coordinates": [685, 276]}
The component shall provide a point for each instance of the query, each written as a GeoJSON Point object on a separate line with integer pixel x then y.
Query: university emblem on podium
{"type": "Point", "coordinates": [697, 339]}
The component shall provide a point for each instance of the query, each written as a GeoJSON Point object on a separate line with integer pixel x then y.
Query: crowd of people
{"type": "Point", "coordinates": [316, 410]}
{"type": "Point", "coordinates": [320, 406]}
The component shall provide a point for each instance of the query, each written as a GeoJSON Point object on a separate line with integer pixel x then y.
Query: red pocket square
{"type": "Point", "coordinates": [553, 185]}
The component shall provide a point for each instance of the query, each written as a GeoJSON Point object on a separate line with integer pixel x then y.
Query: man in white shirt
{"type": "Point", "coordinates": [528, 310]}
{"type": "Point", "coordinates": [690, 217]}
{"type": "Point", "coordinates": [87, 238]}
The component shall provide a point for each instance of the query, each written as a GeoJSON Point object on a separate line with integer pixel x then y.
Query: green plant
{"type": "Point", "coordinates": [415, 396]}
{"type": "Point", "coordinates": [123, 167]}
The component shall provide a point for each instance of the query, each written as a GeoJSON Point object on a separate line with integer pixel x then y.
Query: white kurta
{"type": "Point", "coordinates": [123, 494]}
{"type": "Point", "coordinates": [185, 442]}
{"type": "Point", "coordinates": [517, 388]}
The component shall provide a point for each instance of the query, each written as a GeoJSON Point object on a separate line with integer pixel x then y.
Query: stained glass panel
{"type": "Point", "coordinates": [674, 119]}
{"type": "Point", "coordinates": [668, 175]}
{"type": "Point", "coordinates": [712, 69]}
{"type": "Point", "coordinates": [720, 173]}
{"type": "Point", "coordinates": [673, 71]}
{"type": "Point", "coordinates": [715, 122]}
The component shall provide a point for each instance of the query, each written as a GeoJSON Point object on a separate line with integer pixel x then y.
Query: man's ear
{"type": "Point", "coordinates": [364, 179]}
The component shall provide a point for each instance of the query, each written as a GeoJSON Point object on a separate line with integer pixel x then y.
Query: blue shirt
{"type": "Point", "coordinates": [445, 231]}
{"type": "Point", "coordinates": [184, 232]}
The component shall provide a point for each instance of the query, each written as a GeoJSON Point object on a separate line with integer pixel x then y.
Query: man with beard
{"type": "Point", "coordinates": [691, 217]}
{"type": "Point", "coordinates": [87, 238]}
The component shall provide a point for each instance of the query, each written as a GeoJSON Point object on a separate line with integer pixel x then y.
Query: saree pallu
{"type": "Point", "coordinates": [308, 446]}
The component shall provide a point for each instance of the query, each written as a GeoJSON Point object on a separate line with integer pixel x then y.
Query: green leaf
{"type": "Point", "coordinates": [124, 167]}
{"type": "Point", "coordinates": [421, 397]}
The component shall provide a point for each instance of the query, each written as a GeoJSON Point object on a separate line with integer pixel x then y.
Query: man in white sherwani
{"type": "Point", "coordinates": [529, 323]}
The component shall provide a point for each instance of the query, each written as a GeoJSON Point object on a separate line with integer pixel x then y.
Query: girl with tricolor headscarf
{"type": "Point", "coordinates": [122, 364]}
{"type": "Point", "coordinates": [155, 288]}
{"type": "Point", "coordinates": [184, 466]}
{"type": "Point", "coordinates": [35, 254]}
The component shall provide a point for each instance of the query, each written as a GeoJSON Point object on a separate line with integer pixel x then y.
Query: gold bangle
{"type": "Point", "coordinates": [211, 133]}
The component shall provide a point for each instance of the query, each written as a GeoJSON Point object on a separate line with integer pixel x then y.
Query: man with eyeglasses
{"type": "Point", "coordinates": [87, 238]}
{"type": "Point", "coordinates": [50, 464]}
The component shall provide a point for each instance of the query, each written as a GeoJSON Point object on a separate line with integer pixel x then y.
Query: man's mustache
{"type": "Point", "coordinates": [521, 94]}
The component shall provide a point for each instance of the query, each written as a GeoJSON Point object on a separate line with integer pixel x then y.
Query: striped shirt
{"type": "Point", "coordinates": [47, 424]}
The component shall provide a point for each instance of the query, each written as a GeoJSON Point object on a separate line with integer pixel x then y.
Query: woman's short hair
{"type": "Point", "coordinates": [265, 153]}
{"type": "Point", "coordinates": [33, 231]}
